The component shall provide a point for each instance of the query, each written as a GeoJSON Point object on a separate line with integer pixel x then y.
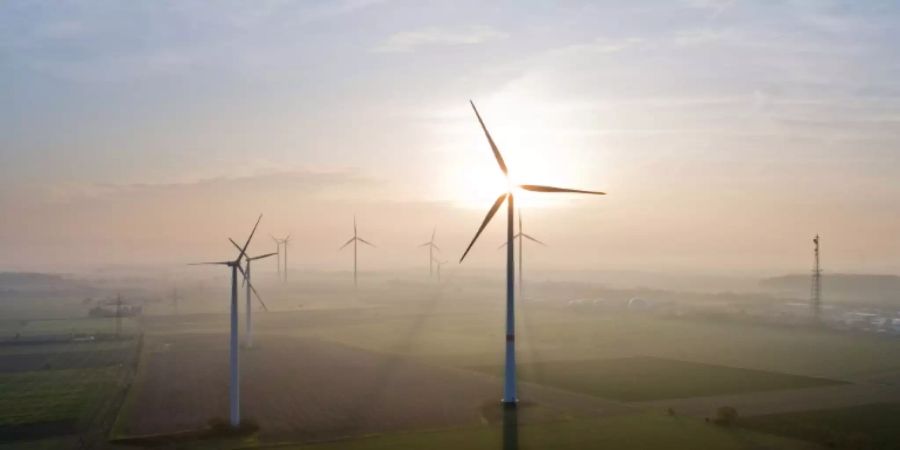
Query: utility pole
{"type": "Point", "coordinates": [816, 299]}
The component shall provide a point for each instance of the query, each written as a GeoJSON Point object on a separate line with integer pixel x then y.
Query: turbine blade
{"type": "Point", "coordinates": [487, 220]}
{"type": "Point", "coordinates": [235, 244]}
{"type": "Point", "coordinates": [433, 231]}
{"type": "Point", "coordinates": [538, 188]}
{"type": "Point", "coordinates": [436, 247]}
{"type": "Point", "coordinates": [366, 242]}
{"type": "Point", "coordinates": [252, 232]}
{"type": "Point", "coordinates": [534, 240]}
{"type": "Point", "coordinates": [263, 256]}
{"type": "Point", "coordinates": [246, 282]}
{"type": "Point", "coordinates": [425, 244]}
{"type": "Point", "coordinates": [515, 236]}
{"type": "Point", "coordinates": [490, 140]}
{"type": "Point", "coordinates": [216, 263]}
{"type": "Point", "coordinates": [348, 243]}
{"type": "Point", "coordinates": [261, 302]}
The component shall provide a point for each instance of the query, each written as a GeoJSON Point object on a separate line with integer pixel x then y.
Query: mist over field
{"type": "Point", "coordinates": [394, 224]}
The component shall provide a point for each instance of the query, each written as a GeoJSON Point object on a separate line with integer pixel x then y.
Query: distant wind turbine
{"type": "Point", "coordinates": [431, 248]}
{"type": "Point", "coordinates": [509, 385]}
{"type": "Point", "coordinates": [521, 234]}
{"type": "Point", "coordinates": [234, 389]}
{"type": "Point", "coordinates": [284, 242]}
{"type": "Point", "coordinates": [354, 241]}
{"type": "Point", "coordinates": [279, 243]}
{"type": "Point", "coordinates": [439, 265]}
{"type": "Point", "coordinates": [278, 252]}
{"type": "Point", "coordinates": [248, 339]}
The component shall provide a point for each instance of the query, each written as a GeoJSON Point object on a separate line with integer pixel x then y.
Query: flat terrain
{"type": "Point", "coordinates": [307, 389]}
{"type": "Point", "coordinates": [468, 331]}
{"type": "Point", "coordinates": [411, 366]}
{"type": "Point", "coordinates": [763, 403]}
{"type": "Point", "coordinates": [61, 389]}
{"type": "Point", "coordinates": [873, 426]}
{"type": "Point", "coordinates": [408, 367]}
{"type": "Point", "coordinates": [619, 432]}
{"type": "Point", "coordinates": [648, 378]}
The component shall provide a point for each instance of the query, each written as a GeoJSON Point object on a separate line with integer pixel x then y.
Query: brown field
{"type": "Point", "coordinates": [306, 389]}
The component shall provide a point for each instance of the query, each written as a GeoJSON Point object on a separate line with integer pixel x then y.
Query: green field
{"type": "Point", "coordinates": [873, 427]}
{"type": "Point", "coordinates": [60, 389]}
{"type": "Point", "coordinates": [58, 399]}
{"type": "Point", "coordinates": [647, 378]}
{"type": "Point", "coordinates": [9, 329]}
{"type": "Point", "coordinates": [620, 433]}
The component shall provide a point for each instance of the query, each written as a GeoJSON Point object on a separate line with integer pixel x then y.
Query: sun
{"type": "Point", "coordinates": [537, 143]}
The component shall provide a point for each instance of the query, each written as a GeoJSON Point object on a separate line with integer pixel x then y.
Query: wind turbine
{"type": "Point", "coordinates": [439, 264]}
{"type": "Point", "coordinates": [431, 248]}
{"type": "Point", "coordinates": [234, 388]}
{"type": "Point", "coordinates": [285, 242]}
{"type": "Point", "coordinates": [278, 252]}
{"type": "Point", "coordinates": [354, 241]}
{"type": "Point", "coordinates": [248, 340]}
{"type": "Point", "coordinates": [509, 385]}
{"type": "Point", "coordinates": [520, 235]}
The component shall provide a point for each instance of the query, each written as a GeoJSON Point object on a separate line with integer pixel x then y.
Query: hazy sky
{"type": "Point", "coordinates": [727, 133]}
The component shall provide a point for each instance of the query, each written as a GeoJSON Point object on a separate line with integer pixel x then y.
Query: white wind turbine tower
{"type": "Point", "coordinates": [277, 252]}
{"type": "Point", "coordinates": [284, 242]}
{"type": "Point", "coordinates": [439, 265]}
{"type": "Point", "coordinates": [431, 248]}
{"type": "Point", "coordinates": [234, 389]}
{"type": "Point", "coordinates": [520, 235]}
{"type": "Point", "coordinates": [354, 240]}
{"type": "Point", "coordinates": [248, 339]}
{"type": "Point", "coordinates": [509, 385]}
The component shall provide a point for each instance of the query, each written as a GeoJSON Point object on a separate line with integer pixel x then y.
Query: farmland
{"type": "Point", "coordinates": [311, 390]}
{"type": "Point", "coordinates": [621, 432]}
{"type": "Point", "coordinates": [53, 386]}
{"type": "Point", "coordinates": [406, 366]}
{"type": "Point", "coordinates": [872, 426]}
{"type": "Point", "coordinates": [647, 378]}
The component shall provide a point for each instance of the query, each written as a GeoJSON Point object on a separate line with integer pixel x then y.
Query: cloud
{"type": "Point", "coordinates": [716, 7]}
{"type": "Point", "coordinates": [408, 41]}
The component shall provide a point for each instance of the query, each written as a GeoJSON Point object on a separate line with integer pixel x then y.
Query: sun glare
{"type": "Point", "coordinates": [531, 147]}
